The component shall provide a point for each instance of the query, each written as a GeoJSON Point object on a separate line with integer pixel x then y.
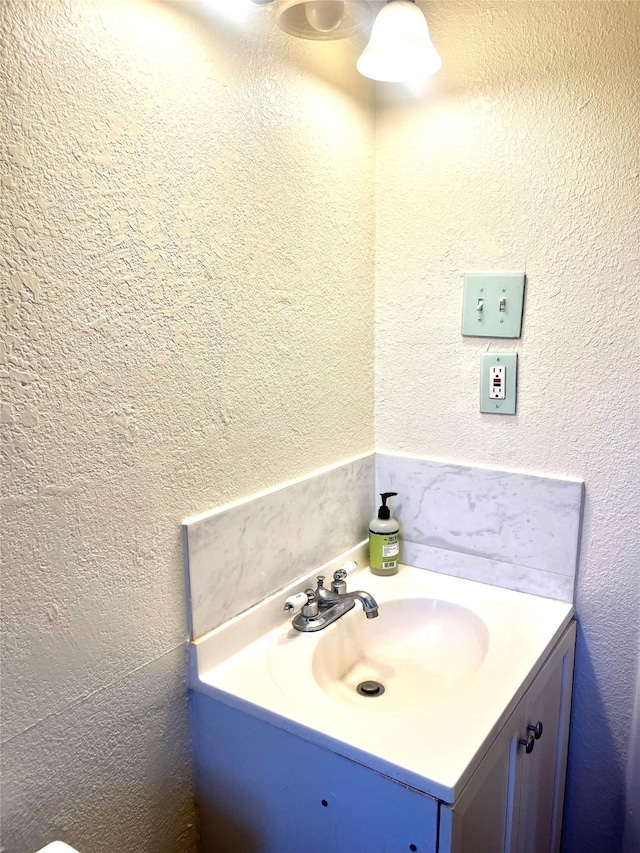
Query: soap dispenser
{"type": "Point", "coordinates": [384, 540]}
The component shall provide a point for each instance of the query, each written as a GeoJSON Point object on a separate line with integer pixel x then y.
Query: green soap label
{"type": "Point", "coordinates": [384, 550]}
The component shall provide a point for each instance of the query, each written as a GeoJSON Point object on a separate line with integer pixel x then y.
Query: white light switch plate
{"type": "Point", "coordinates": [492, 304]}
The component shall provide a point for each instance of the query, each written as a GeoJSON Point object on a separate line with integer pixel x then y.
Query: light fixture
{"type": "Point", "coordinates": [400, 49]}
{"type": "Point", "coordinates": [323, 19]}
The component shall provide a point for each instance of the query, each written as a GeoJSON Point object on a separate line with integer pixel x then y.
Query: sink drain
{"type": "Point", "coordinates": [370, 688]}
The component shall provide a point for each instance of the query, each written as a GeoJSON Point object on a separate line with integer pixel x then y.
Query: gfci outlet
{"type": "Point", "coordinates": [498, 383]}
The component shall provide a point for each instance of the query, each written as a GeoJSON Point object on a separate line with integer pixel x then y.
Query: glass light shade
{"type": "Point", "coordinates": [323, 19]}
{"type": "Point", "coordinates": [324, 15]}
{"type": "Point", "coordinates": [400, 49]}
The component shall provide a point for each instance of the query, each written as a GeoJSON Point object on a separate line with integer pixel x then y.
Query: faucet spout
{"type": "Point", "coordinates": [369, 604]}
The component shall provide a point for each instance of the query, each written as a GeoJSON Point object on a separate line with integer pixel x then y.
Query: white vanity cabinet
{"type": "Point", "coordinates": [514, 800]}
{"type": "Point", "coordinates": [263, 789]}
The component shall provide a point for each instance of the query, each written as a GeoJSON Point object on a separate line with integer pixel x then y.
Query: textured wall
{"type": "Point", "coordinates": [524, 155]}
{"type": "Point", "coordinates": [632, 823]}
{"type": "Point", "coordinates": [186, 222]}
{"type": "Point", "coordinates": [187, 225]}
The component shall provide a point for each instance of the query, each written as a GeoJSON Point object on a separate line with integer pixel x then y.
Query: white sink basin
{"type": "Point", "coordinates": [454, 658]}
{"type": "Point", "coordinates": [418, 650]}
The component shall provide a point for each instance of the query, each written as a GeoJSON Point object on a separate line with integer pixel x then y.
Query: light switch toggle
{"type": "Point", "coordinates": [497, 380]}
{"type": "Point", "coordinates": [503, 305]}
{"type": "Point", "coordinates": [480, 305]}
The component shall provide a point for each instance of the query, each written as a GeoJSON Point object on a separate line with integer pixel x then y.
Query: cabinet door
{"type": "Point", "coordinates": [513, 802]}
{"type": "Point", "coordinates": [543, 770]}
{"type": "Point", "coordinates": [480, 821]}
{"type": "Point", "coordinates": [260, 789]}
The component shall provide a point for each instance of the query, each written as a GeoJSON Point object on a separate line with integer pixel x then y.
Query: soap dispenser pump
{"type": "Point", "coordinates": [384, 540]}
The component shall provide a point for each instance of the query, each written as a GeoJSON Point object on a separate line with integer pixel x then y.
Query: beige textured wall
{"type": "Point", "coordinates": [526, 154]}
{"type": "Point", "coordinates": [186, 225]}
{"type": "Point", "coordinates": [187, 230]}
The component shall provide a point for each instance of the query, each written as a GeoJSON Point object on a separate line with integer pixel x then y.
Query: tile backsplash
{"type": "Point", "coordinates": [239, 554]}
{"type": "Point", "coordinates": [520, 531]}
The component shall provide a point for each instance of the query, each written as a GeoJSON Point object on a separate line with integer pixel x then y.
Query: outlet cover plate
{"type": "Point", "coordinates": [492, 304]}
{"type": "Point", "coordinates": [508, 360]}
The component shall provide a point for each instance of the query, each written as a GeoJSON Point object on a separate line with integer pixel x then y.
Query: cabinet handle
{"type": "Point", "coordinates": [537, 730]}
{"type": "Point", "coordinates": [528, 744]}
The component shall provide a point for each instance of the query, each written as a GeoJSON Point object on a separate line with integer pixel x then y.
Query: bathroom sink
{"type": "Point", "coordinates": [441, 669]}
{"type": "Point", "coordinates": [416, 651]}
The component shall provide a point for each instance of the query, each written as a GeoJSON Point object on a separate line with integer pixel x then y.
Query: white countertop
{"type": "Point", "coordinates": [434, 748]}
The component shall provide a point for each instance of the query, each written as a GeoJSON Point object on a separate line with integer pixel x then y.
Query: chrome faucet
{"type": "Point", "coordinates": [322, 606]}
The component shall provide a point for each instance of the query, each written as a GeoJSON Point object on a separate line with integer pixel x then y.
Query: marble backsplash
{"type": "Point", "coordinates": [239, 554]}
{"type": "Point", "coordinates": [520, 531]}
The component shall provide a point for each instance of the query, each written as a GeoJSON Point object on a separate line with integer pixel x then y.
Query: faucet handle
{"type": "Point", "coordinates": [339, 584]}
{"type": "Point", "coordinates": [320, 581]}
{"type": "Point", "coordinates": [310, 609]}
{"type": "Point", "coordinates": [299, 600]}
{"type": "Point", "coordinates": [349, 566]}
